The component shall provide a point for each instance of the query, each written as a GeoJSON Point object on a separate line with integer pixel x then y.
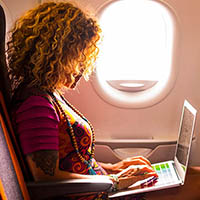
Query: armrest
{"type": "Point", "coordinates": [45, 190]}
{"type": "Point", "coordinates": [135, 143]}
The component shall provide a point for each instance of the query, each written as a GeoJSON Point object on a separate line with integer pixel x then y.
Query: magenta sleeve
{"type": "Point", "coordinates": [37, 125]}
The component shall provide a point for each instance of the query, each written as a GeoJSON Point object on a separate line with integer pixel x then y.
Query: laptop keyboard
{"type": "Point", "coordinates": [164, 173]}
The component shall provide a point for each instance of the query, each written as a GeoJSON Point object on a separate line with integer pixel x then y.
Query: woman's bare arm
{"type": "Point", "coordinates": [44, 165]}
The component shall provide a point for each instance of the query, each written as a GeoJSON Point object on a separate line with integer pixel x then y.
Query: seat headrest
{"type": "Point", "coordinates": [5, 85]}
{"type": "Point", "coordinates": [2, 29]}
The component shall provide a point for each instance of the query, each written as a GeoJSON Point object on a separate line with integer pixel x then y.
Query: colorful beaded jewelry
{"type": "Point", "coordinates": [72, 135]}
{"type": "Point", "coordinates": [115, 180]}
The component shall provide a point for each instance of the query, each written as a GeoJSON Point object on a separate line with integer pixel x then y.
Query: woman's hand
{"type": "Point", "coordinates": [134, 173]}
{"type": "Point", "coordinates": [135, 170]}
{"type": "Point", "coordinates": [137, 160]}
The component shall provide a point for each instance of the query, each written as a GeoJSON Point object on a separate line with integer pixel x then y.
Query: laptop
{"type": "Point", "coordinates": [170, 173]}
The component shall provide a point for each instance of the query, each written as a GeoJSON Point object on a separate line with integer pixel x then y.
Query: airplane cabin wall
{"type": "Point", "coordinates": [160, 121]}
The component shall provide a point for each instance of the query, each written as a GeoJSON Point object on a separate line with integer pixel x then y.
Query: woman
{"type": "Point", "coordinates": [50, 48]}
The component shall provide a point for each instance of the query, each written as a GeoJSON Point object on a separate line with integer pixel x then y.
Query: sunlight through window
{"type": "Point", "coordinates": [137, 65]}
{"type": "Point", "coordinates": [137, 41]}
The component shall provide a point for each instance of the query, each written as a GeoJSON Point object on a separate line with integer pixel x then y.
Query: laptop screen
{"type": "Point", "coordinates": [185, 137]}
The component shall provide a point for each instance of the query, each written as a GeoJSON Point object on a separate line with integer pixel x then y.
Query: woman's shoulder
{"type": "Point", "coordinates": [27, 99]}
{"type": "Point", "coordinates": [23, 92]}
{"type": "Point", "coordinates": [35, 101]}
{"type": "Point", "coordinates": [35, 106]}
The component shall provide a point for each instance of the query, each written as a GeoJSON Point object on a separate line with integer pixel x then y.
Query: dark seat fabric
{"type": "Point", "coordinates": [8, 172]}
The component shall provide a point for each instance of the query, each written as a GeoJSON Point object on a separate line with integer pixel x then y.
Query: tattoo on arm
{"type": "Point", "coordinates": [45, 160]}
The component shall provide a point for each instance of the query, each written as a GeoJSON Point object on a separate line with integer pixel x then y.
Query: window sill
{"type": "Point", "coordinates": [131, 85]}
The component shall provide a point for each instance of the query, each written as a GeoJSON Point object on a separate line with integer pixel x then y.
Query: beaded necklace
{"type": "Point", "coordinates": [72, 135]}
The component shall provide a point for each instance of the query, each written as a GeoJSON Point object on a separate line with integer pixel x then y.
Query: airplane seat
{"type": "Point", "coordinates": [16, 181]}
{"type": "Point", "coordinates": [12, 185]}
{"type": "Point", "coordinates": [12, 181]}
{"type": "Point", "coordinates": [5, 88]}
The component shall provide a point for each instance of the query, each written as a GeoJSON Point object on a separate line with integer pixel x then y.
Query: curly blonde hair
{"type": "Point", "coordinates": [52, 44]}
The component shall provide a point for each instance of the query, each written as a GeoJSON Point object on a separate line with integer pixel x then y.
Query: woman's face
{"type": "Point", "coordinates": [77, 78]}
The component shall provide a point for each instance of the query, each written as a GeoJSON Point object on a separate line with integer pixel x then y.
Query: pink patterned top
{"type": "Point", "coordinates": [41, 126]}
{"type": "Point", "coordinates": [37, 125]}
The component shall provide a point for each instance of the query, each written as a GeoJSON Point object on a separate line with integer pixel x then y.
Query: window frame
{"type": "Point", "coordinates": [142, 97]}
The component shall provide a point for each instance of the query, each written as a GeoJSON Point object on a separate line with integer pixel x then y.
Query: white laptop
{"type": "Point", "coordinates": [170, 173]}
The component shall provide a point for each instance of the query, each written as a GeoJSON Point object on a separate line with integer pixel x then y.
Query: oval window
{"type": "Point", "coordinates": [134, 68]}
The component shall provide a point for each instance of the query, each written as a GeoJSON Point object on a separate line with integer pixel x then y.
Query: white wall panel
{"type": "Point", "coordinates": [160, 121]}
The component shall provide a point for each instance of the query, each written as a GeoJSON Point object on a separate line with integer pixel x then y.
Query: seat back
{"type": "Point", "coordinates": [5, 98]}
{"type": "Point", "coordinates": [2, 192]}
{"type": "Point", "coordinates": [12, 182]}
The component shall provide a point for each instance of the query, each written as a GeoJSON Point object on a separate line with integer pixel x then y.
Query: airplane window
{"type": "Point", "coordinates": [135, 60]}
